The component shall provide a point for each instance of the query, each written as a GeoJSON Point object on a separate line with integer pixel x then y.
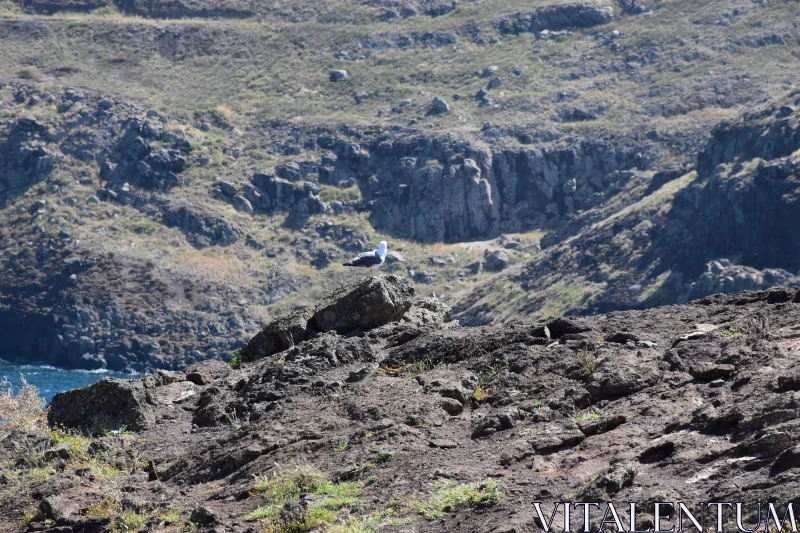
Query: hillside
{"type": "Point", "coordinates": [384, 416]}
{"type": "Point", "coordinates": [175, 174]}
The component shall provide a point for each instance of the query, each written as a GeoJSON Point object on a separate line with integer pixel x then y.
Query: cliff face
{"type": "Point", "coordinates": [437, 189]}
{"type": "Point", "coordinates": [411, 418]}
{"type": "Point", "coordinates": [725, 227]}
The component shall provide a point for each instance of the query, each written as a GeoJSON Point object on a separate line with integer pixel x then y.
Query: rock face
{"type": "Point", "coordinates": [202, 229]}
{"type": "Point", "coordinates": [558, 17]}
{"type": "Point", "coordinates": [24, 160]}
{"type": "Point", "coordinates": [724, 276]}
{"type": "Point", "coordinates": [432, 189]}
{"type": "Point", "coordinates": [109, 404]}
{"type": "Point", "coordinates": [360, 306]}
{"type": "Point", "coordinates": [268, 193]}
{"type": "Point", "coordinates": [134, 160]}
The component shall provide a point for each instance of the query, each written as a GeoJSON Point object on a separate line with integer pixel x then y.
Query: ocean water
{"type": "Point", "coordinates": [51, 380]}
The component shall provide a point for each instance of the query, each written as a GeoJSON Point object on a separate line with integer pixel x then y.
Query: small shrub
{"type": "Point", "coordinates": [732, 333]}
{"type": "Point", "coordinates": [23, 409]}
{"type": "Point", "coordinates": [236, 359]}
{"type": "Point", "coordinates": [384, 456]}
{"type": "Point", "coordinates": [480, 394]}
{"type": "Point", "coordinates": [587, 362]}
{"type": "Point", "coordinates": [342, 446]}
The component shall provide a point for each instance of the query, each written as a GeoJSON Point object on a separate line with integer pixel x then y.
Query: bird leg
{"type": "Point", "coordinates": [370, 273]}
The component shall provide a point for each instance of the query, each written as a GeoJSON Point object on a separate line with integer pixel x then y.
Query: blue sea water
{"type": "Point", "coordinates": [51, 380]}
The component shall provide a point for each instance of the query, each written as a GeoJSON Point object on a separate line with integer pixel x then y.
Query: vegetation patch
{"type": "Point", "coordinates": [450, 497]}
{"type": "Point", "coordinates": [282, 492]}
{"type": "Point", "coordinates": [236, 359]}
{"type": "Point", "coordinates": [586, 416]}
{"type": "Point", "coordinates": [336, 194]}
{"type": "Point", "coordinates": [23, 408]}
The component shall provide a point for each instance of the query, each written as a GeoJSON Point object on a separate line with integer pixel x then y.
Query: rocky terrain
{"type": "Point", "coordinates": [175, 174]}
{"type": "Point", "coordinates": [372, 411]}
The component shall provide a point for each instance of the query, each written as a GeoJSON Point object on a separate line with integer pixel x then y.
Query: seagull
{"type": "Point", "coordinates": [370, 260]}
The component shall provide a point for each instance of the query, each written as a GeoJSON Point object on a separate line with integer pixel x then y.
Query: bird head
{"type": "Point", "coordinates": [382, 248]}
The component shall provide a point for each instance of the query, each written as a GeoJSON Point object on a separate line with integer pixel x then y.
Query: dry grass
{"type": "Point", "coordinates": [23, 408]}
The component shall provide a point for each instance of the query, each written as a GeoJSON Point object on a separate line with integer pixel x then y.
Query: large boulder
{"type": "Point", "coordinates": [106, 405]}
{"type": "Point", "coordinates": [280, 334]}
{"type": "Point", "coordinates": [364, 305]}
{"type": "Point", "coordinates": [357, 306]}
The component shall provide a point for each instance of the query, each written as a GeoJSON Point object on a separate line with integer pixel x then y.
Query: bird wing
{"type": "Point", "coordinates": [366, 259]}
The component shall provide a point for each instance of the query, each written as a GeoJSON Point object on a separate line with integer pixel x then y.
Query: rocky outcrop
{"type": "Point", "coordinates": [722, 276]}
{"type": "Point", "coordinates": [268, 193]}
{"type": "Point", "coordinates": [134, 159]}
{"type": "Point", "coordinates": [558, 17]}
{"type": "Point", "coordinates": [355, 307]}
{"type": "Point", "coordinates": [643, 389]}
{"type": "Point", "coordinates": [434, 189]}
{"type": "Point", "coordinates": [110, 404]}
{"type": "Point", "coordinates": [750, 213]}
{"type": "Point", "coordinates": [765, 134]}
{"type": "Point", "coordinates": [24, 159]}
{"type": "Point", "coordinates": [201, 228]}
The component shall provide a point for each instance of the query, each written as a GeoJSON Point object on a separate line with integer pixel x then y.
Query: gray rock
{"type": "Point", "coordinates": [451, 406]}
{"type": "Point", "coordinates": [489, 71]}
{"type": "Point", "coordinates": [439, 106]}
{"type": "Point", "coordinates": [61, 450]}
{"type": "Point", "coordinates": [360, 97]}
{"type": "Point", "coordinates": [358, 306]}
{"type": "Point", "coordinates": [428, 312]}
{"type": "Point", "coordinates": [242, 204]}
{"type": "Point", "coordinates": [555, 436]}
{"type": "Point", "coordinates": [364, 305]}
{"type": "Point", "coordinates": [337, 75]}
{"type": "Point", "coordinates": [37, 206]}
{"type": "Point", "coordinates": [204, 516]}
{"type": "Point", "coordinates": [280, 334]}
{"type": "Point", "coordinates": [289, 171]}
{"type": "Point", "coordinates": [787, 460]}
{"type": "Point", "coordinates": [408, 11]}
{"type": "Point", "coordinates": [394, 257]}
{"type": "Point", "coordinates": [495, 83]}
{"type": "Point", "coordinates": [56, 508]}
{"type": "Point", "coordinates": [228, 188]}
{"type": "Point", "coordinates": [601, 425]}
{"type": "Point", "coordinates": [106, 405]}
{"type": "Point", "coordinates": [711, 371]}
{"type": "Point", "coordinates": [495, 260]}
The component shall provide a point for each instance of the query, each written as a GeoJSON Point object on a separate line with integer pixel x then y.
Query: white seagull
{"type": "Point", "coordinates": [370, 260]}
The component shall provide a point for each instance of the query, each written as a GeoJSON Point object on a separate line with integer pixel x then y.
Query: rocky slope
{"type": "Point", "coordinates": [173, 174]}
{"type": "Point", "coordinates": [371, 412]}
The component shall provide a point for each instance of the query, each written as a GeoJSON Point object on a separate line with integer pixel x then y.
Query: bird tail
{"type": "Point", "coordinates": [347, 264]}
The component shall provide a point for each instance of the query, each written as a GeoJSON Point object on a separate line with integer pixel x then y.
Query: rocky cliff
{"type": "Point", "coordinates": [398, 418]}
{"type": "Point", "coordinates": [725, 227]}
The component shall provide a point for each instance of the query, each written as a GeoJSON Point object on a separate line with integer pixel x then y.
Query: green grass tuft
{"type": "Point", "coordinates": [287, 486]}
{"type": "Point", "coordinates": [451, 496]}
